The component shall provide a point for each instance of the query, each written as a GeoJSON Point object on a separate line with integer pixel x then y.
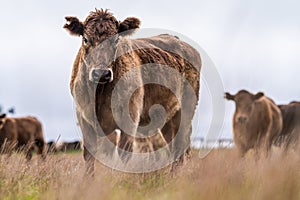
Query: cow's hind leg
{"type": "Point", "coordinates": [182, 140]}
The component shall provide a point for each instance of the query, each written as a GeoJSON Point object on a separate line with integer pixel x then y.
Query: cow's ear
{"type": "Point", "coordinates": [258, 95]}
{"type": "Point", "coordinates": [74, 26]}
{"type": "Point", "coordinates": [2, 116]}
{"type": "Point", "coordinates": [229, 96]}
{"type": "Point", "coordinates": [129, 25]}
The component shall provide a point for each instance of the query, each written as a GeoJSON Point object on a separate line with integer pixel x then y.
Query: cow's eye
{"type": "Point", "coordinates": [85, 41]}
{"type": "Point", "coordinates": [116, 41]}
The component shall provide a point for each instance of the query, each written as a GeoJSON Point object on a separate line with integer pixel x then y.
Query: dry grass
{"type": "Point", "coordinates": [221, 175]}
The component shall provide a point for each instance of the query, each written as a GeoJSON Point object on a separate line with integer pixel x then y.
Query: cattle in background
{"type": "Point", "coordinates": [51, 147]}
{"type": "Point", "coordinates": [23, 134]}
{"type": "Point", "coordinates": [257, 121]}
{"type": "Point", "coordinates": [289, 136]}
{"type": "Point", "coordinates": [55, 147]}
{"type": "Point", "coordinates": [69, 146]}
{"type": "Point", "coordinates": [111, 61]}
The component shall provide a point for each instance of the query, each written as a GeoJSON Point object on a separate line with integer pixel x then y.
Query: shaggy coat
{"type": "Point", "coordinates": [124, 59]}
{"type": "Point", "coordinates": [24, 134]}
{"type": "Point", "coordinates": [257, 121]}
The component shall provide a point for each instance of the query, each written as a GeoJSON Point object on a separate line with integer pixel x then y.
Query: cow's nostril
{"type": "Point", "coordinates": [242, 119]}
{"type": "Point", "coordinates": [96, 74]}
{"type": "Point", "coordinates": [107, 74]}
{"type": "Point", "coordinates": [101, 75]}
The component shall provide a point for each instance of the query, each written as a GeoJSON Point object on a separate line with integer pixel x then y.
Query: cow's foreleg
{"type": "Point", "coordinates": [28, 152]}
{"type": "Point", "coordinates": [90, 146]}
{"type": "Point", "coordinates": [89, 162]}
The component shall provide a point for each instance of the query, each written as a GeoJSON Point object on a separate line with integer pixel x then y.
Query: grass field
{"type": "Point", "coordinates": [220, 175]}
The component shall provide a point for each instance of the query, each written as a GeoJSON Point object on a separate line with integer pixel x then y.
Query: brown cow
{"type": "Point", "coordinates": [108, 60]}
{"type": "Point", "coordinates": [289, 135]}
{"type": "Point", "coordinates": [257, 121]}
{"type": "Point", "coordinates": [24, 133]}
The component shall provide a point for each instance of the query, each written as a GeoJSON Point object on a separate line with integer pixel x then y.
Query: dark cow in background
{"type": "Point", "coordinates": [94, 77]}
{"type": "Point", "coordinates": [69, 146]}
{"type": "Point", "coordinates": [257, 121]}
{"type": "Point", "coordinates": [289, 136]}
{"type": "Point", "coordinates": [51, 148]}
{"type": "Point", "coordinates": [22, 134]}
{"type": "Point", "coordinates": [54, 147]}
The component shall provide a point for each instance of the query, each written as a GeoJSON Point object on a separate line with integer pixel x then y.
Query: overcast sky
{"type": "Point", "coordinates": [255, 45]}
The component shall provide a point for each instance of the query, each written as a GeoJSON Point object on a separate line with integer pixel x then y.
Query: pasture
{"type": "Point", "coordinates": [220, 175]}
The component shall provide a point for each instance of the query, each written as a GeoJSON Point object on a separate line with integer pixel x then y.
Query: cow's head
{"type": "Point", "coordinates": [2, 120]}
{"type": "Point", "coordinates": [99, 33]}
{"type": "Point", "coordinates": [244, 102]}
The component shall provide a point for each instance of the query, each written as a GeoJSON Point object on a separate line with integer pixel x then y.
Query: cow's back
{"type": "Point", "coordinates": [187, 57]}
{"type": "Point", "coordinates": [9, 132]}
{"type": "Point", "coordinates": [172, 44]}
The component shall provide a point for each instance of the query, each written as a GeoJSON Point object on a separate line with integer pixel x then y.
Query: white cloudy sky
{"type": "Point", "coordinates": [254, 44]}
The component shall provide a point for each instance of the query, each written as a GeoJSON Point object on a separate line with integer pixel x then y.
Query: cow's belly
{"type": "Point", "coordinates": [158, 95]}
{"type": "Point", "coordinates": [160, 115]}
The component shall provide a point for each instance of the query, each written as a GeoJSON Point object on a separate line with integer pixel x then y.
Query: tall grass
{"type": "Point", "coordinates": [220, 175]}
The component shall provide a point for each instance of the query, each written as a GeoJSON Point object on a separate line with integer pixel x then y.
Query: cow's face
{"type": "Point", "coordinates": [99, 33]}
{"type": "Point", "coordinates": [2, 120]}
{"type": "Point", "coordinates": [244, 102]}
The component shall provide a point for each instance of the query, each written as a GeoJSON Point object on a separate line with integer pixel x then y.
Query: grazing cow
{"type": "Point", "coordinates": [257, 121]}
{"type": "Point", "coordinates": [107, 59]}
{"type": "Point", "coordinates": [291, 124]}
{"type": "Point", "coordinates": [69, 146]}
{"type": "Point", "coordinates": [23, 134]}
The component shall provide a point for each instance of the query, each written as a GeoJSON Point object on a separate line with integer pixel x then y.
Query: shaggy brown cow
{"type": "Point", "coordinates": [289, 135]}
{"type": "Point", "coordinates": [23, 134]}
{"type": "Point", "coordinates": [107, 59]}
{"type": "Point", "coordinates": [257, 121]}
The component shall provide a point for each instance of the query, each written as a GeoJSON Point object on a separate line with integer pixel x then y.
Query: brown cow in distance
{"type": "Point", "coordinates": [24, 134]}
{"type": "Point", "coordinates": [290, 133]}
{"type": "Point", "coordinates": [257, 121]}
{"type": "Point", "coordinates": [108, 61]}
